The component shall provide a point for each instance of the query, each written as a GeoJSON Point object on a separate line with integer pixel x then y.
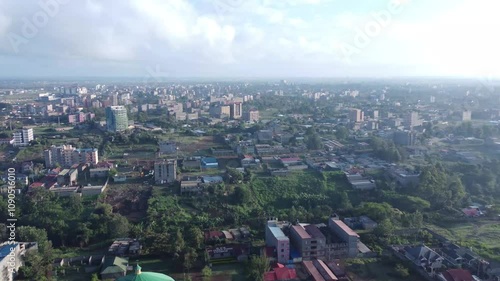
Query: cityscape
{"type": "Point", "coordinates": [203, 141]}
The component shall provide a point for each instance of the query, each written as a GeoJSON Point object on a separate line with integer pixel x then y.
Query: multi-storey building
{"type": "Point", "coordinates": [356, 115]}
{"type": "Point", "coordinates": [309, 241]}
{"type": "Point", "coordinates": [236, 110]}
{"type": "Point", "coordinates": [165, 171]}
{"type": "Point", "coordinates": [412, 120]}
{"type": "Point", "coordinates": [466, 115]}
{"type": "Point", "coordinates": [277, 239]}
{"type": "Point", "coordinates": [346, 234]}
{"type": "Point", "coordinates": [23, 137]}
{"type": "Point", "coordinates": [67, 155]}
{"type": "Point", "coordinates": [251, 116]}
{"type": "Point", "coordinates": [116, 118]}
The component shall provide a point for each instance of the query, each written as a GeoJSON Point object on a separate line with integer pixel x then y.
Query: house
{"type": "Point", "coordinates": [359, 182]}
{"type": "Point", "coordinates": [278, 240]}
{"type": "Point", "coordinates": [456, 274]}
{"type": "Point", "coordinates": [209, 163]}
{"type": "Point", "coordinates": [265, 136]}
{"type": "Point", "coordinates": [423, 257]}
{"type": "Point", "coordinates": [99, 172]}
{"type": "Point", "coordinates": [281, 273]}
{"type": "Point", "coordinates": [191, 185]}
{"type": "Point", "coordinates": [249, 161]}
{"type": "Point", "coordinates": [191, 164]}
{"type": "Point", "coordinates": [114, 267]}
{"type": "Point", "coordinates": [290, 161]}
{"type": "Point", "coordinates": [362, 222]}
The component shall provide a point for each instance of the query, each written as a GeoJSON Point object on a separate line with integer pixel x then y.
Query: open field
{"type": "Point", "coordinates": [480, 234]}
{"type": "Point", "coordinates": [374, 270]}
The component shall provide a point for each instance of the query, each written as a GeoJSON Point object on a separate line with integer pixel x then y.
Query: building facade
{"type": "Point", "coordinates": [116, 118]}
{"type": "Point", "coordinates": [309, 241]}
{"type": "Point", "coordinates": [277, 239]}
{"type": "Point", "coordinates": [165, 171]}
{"type": "Point", "coordinates": [67, 155]}
{"type": "Point", "coordinates": [356, 115]}
{"type": "Point", "coordinates": [346, 234]}
{"type": "Point", "coordinates": [23, 137]}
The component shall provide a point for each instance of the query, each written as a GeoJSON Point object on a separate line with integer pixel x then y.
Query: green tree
{"type": "Point", "coordinates": [94, 277]}
{"type": "Point", "coordinates": [195, 236]}
{"type": "Point", "coordinates": [256, 267]}
{"type": "Point", "coordinates": [206, 272]}
{"type": "Point", "coordinates": [402, 271]}
{"type": "Point", "coordinates": [241, 195]}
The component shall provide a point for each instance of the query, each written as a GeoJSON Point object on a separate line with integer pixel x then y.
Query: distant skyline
{"type": "Point", "coordinates": [153, 39]}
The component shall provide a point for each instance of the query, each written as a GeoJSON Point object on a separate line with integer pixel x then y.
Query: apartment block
{"type": "Point", "coordinates": [67, 156]}
{"type": "Point", "coordinates": [165, 171]}
{"type": "Point", "coordinates": [309, 241]}
{"type": "Point", "coordinates": [277, 239]}
{"type": "Point", "coordinates": [23, 137]}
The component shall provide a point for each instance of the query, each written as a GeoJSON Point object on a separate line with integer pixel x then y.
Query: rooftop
{"type": "Point", "coordinates": [277, 232]}
{"type": "Point", "coordinates": [299, 229]}
{"type": "Point", "coordinates": [344, 227]}
{"type": "Point", "coordinates": [5, 250]}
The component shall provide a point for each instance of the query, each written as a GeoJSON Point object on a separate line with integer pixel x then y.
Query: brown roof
{"type": "Point", "coordinates": [344, 227]}
{"type": "Point", "coordinates": [309, 266]}
{"type": "Point", "coordinates": [457, 275]}
{"type": "Point", "coordinates": [314, 231]}
{"type": "Point", "coordinates": [301, 232]}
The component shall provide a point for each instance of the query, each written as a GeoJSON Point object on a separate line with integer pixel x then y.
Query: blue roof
{"type": "Point", "coordinates": [207, 179]}
{"type": "Point", "coordinates": [5, 250]}
{"type": "Point", "coordinates": [209, 160]}
{"type": "Point", "coordinates": [277, 232]}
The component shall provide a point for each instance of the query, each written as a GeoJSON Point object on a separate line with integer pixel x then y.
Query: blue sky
{"type": "Point", "coordinates": [249, 38]}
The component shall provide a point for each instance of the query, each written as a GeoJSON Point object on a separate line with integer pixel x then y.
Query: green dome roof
{"type": "Point", "coordinates": [145, 276]}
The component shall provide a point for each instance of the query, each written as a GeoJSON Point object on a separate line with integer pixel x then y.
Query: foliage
{"type": "Point", "coordinates": [256, 267]}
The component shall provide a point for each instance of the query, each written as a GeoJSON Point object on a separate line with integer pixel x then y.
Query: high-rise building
{"type": "Point", "coordinates": [116, 118]}
{"type": "Point", "coordinates": [466, 115]}
{"type": "Point", "coordinates": [236, 110]}
{"type": "Point", "coordinates": [404, 138]}
{"type": "Point", "coordinates": [165, 171]}
{"type": "Point", "coordinates": [251, 116]}
{"type": "Point", "coordinates": [23, 137]}
{"type": "Point", "coordinates": [356, 115]}
{"type": "Point", "coordinates": [67, 155]}
{"type": "Point", "coordinates": [412, 120]}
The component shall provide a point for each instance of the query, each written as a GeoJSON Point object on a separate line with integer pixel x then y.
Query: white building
{"type": "Point", "coordinates": [277, 239]}
{"type": "Point", "coordinates": [165, 171]}
{"type": "Point", "coordinates": [23, 137]}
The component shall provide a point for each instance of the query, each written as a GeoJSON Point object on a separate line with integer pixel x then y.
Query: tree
{"type": "Point", "coordinates": [195, 236]}
{"type": "Point", "coordinates": [384, 228]}
{"type": "Point", "coordinates": [94, 277]}
{"type": "Point", "coordinates": [190, 257]}
{"type": "Point", "coordinates": [402, 271]}
{"type": "Point", "coordinates": [313, 141]}
{"type": "Point", "coordinates": [241, 195]}
{"type": "Point", "coordinates": [256, 268]}
{"type": "Point", "coordinates": [206, 272]}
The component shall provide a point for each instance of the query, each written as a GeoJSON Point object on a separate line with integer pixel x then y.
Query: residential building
{"type": "Point", "coordinates": [424, 257]}
{"type": "Point", "coordinates": [67, 177]}
{"type": "Point", "coordinates": [209, 162]}
{"type": "Point", "coordinates": [466, 115]}
{"type": "Point", "coordinates": [277, 239]}
{"type": "Point", "coordinates": [362, 222]}
{"type": "Point", "coordinates": [236, 110]}
{"type": "Point", "coordinates": [412, 120]}
{"type": "Point", "coordinates": [165, 171]}
{"type": "Point", "coordinates": [114, 267]}
{"type": "Point", "coordinates": [406, 138]}
{"type": "Point", "coordinates": [346, 234]}
{"type": "Point", "coordinates": [251, 116]}
{"type": "Point", "coordinates": [456, 274]}
{"type": "Point", "coordinates": [220, 111]}
{"type": "Point", "coordinates": [23, 137]}
{"type": "Point", "coordinates": [116, 118]}
{"type": "Point", "coordinates": [167, 147]}
{"type": "Point", "coordinates": [309, 241]}
{"type": "Point", "coordinates": [356, 115]}
{"type": "Point", "coordinates": [67, 155]}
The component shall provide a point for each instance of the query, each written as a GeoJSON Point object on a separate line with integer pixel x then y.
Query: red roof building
{"type": "Point", "coordinates": [281, 274]}
{"type": "Point", "coordinates": [457, 275]}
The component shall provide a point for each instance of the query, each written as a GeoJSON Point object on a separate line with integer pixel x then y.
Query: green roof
{"type": "Point", "coordinates": [114, 265]}
{"type": "Point", "coordinates": [145, 276]}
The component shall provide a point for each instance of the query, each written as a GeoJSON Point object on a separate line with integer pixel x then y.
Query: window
{"type": "Point", "coordinates": [282, 250]}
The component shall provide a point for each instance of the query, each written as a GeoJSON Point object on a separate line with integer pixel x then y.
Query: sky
{"type": "Point", "coordinates": [249, 38]}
